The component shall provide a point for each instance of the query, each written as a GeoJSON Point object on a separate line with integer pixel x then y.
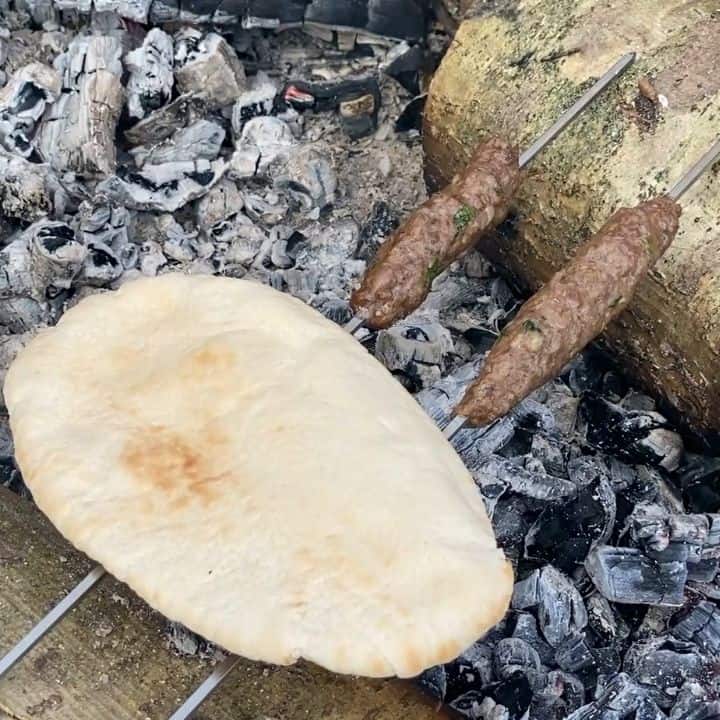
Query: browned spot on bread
{"type": "Point", "coordinates": [163, 460]}
{"type": "Point", "coordinates": [212, 357]}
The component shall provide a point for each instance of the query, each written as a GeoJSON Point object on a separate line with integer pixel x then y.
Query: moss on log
{"type": "Point", "coordinates": [512, 71]}
{"type": "Point", "coordinates": [108, 657]}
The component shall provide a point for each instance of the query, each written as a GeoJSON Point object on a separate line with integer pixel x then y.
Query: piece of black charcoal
{"type": "Point", "coordinates": [560, 607]}
{"type": "Point", "coordinates": [562, 694]}
{"type": "Point", "coordinates": [663, 666]}
{"type": "Point", "coordinates": [469, 703]}
{"type": "Point", "coordinates": [513, 655]}
{"type": "Point", "coordinates": [691, 695]}
{"type": "Point", "coordinates": [379, 225]}
{"type": "Point", "coordinates": [526, 629]}
{"type": "Point", "coordinates": [604, 621]}
{"type": "Point", "coordinates": [434, 681]}
{"type": "Point", "coordinates": [633, 435]}
{"type": "Point", "coordinates": [563, 534]}
{"type": "Point", "coordinates": [625, 575]}
{"type": "Point", "coordinates": [702, 627]}
{"type": "Point", "coordinates": [539, 486]}
{"type": "Point", "coordinates": [473, 668]}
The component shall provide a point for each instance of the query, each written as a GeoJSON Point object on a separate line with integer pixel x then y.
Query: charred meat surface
{"type": "Point", "coordinates": [572, 309]}
{"type": "Point", "coordinates": [439, 232]}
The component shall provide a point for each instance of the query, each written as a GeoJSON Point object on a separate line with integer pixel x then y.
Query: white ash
{"type": "Point", "coordinates": [151, 74]}
{"type": "Point", "coordinates": [26, 189]}
{"type": "Point", "coordinates": [79, 132]}
{"type": "Point", "coordinates": [256, 100]}
{"type": "Point", "coordinates": [223, 199]}
{"type": "Point", "coordinates": [266, 138]}
{"type": "Point", "coordinates": [308, 177]}
{"type": "Point", "coordinates": [22, 103]}
{"type": "Point", "coordinates": [164, 187]}
{"type": "Point", "coordinates": [200, 140]}
{"type": "Point", "coordinates": [163, 122]}
{"type": "Point", "coordinates": [209, 68]}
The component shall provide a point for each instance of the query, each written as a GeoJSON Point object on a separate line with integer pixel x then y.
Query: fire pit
{"type": "Point", "coordinates": [142, 138]}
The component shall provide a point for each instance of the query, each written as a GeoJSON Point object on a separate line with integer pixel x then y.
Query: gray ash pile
{"type": "Point", "coordinates": [207, 142]}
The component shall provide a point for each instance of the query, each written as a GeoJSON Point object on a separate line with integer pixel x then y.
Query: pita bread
{"type": "Point", "coordinates": [253, 473]}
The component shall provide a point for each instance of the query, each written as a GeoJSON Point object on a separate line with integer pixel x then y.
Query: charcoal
{"type": "Point", "coordinates": [78, 133]}
{"type": "Point", "coordinates": [434, 681]}
{"type": "Point", "coordinates": [562, 694]}
{"type": "Point", "coordinates": [381, 223]}
{"type": "Point", "coordinates": [475, 665]}
{"type": "Point", "coordinates": [151, 74]}
{"type": "Point", "coordinates": [549, 453]}
{"type": "Point", "coordinates": [267, 138]}
{"type": "Point", "coordinates": [200, 140]}
{"type": "Point", "coordinates": [621, 476]}
{"type": "Point", "coordinates": [691, 696]}
{"type": "Point", "coordinates": [471, 704]}
{"type": "Point", "coordinates": [532, 414]}
{"type": "Point", "coordinates": [101, 265]}
{"type": "Point", "coordinates": [560, 607]}
{"type": "Point", "coordinates": [604, 621]}
{"type": "Point", "coordinates": [425, 343]}
{"type": "Point", "coordinates": [209, 69]}
{"type": "Point", "coordinates": [704, 711]}
{"type": "Point", "coordinates": [163, 122]}
{"type": "Point", "coordinates": [308, 176]}
{"type": "Point", "coordinates": [404, 63]}
{"type": "Point", "coordinates": [221, 201]}
{"type": "Point", "coordinates": [696, 480]}
{"type": "Point", "coordinates": [25, 189]}
{"type": "Point", "coordinates": [626, 575]}
{"type": "Point", "coordinates": [662, 667]}
{"type": "Point", "coordinates": [702, 627]}
{"type": "Point", "coordinates": [246, 239]}
{"type": "Point", "coordinates": [151, 258]}
{"type": "Point", "coordinates": [475, 444]}
{"type": "Point", "coordinates": [512, 656]}
{"type": "Point", "coordinates": [563, 534]}
{"type": "Point", "coordinates": [403, 19]}
{"type": "Point", "coordinates": [269, 209]}
{"type": "Point", "coordinates": [496, 470]}
{"type": "Point", "coordinates": [23, 101]}
{"type": "Point", "coordinates": [526, 629]}
{"type": "Point", "coordinates": [514, 693]}
{"type": "Point", "coordinates": [619, 698]}
{"type": "Point", "coordinates": [165, 187]}
{"type": "Point", "coordinates": [257, 99]}
{"type": "Point", "coordinates": [575, 653]}
{"type": "Point", "coordinates": [585, 470]}
{"type": "Point", "coordinates": [409, 121]}
{"type": "Point", "coordinates": [633, 435]}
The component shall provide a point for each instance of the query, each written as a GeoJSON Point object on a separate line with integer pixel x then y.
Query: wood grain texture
{"type": "Point", "coordinates": [511, 71]}
{"type": "Point", "coordinates": [108, 658]}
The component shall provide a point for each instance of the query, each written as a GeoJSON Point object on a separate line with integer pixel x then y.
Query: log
{"type": "Point", "coordinates": [512, 71]}
{"type": "Point", "coordinates": [108, 658]}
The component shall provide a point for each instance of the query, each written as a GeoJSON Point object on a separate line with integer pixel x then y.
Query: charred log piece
{"type": "Point", "coordinates": [151, 74]}
{"type": "Point", "coordinates": [208, 67]}
{"type": "Point", "coordinates": [200, 140]}
{"type": "Point", "coordinates": [163, 122]}
{"type": "Point", "coordinates": [22, 103]}
{"type": "Point", "coordinates": [79, 132]}
{"type": "Point", "coordinates": [165, 187]}
{"type": "Point", "coordinates": [25, 188]}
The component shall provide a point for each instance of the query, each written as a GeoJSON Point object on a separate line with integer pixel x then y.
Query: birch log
{"type": "Point", "coordinates": [512, 70]}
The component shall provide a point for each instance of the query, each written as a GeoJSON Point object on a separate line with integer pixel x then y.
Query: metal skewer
{"type": "Point", "coordinates": [695, 172]}
{"type": "Point", "coordinates": [46, 624]}
{"type": "Point", "coordinates": [203, 690]}
{"type": "Point", "coordinates": [566, 119]}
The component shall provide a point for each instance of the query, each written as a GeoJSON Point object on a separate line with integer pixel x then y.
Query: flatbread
{"type": "Point", "coordinates": [253, 473]}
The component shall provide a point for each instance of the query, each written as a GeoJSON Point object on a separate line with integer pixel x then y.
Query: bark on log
{"type": "Point", "coordinates": [107, 658]}
{"type": "Point", "coordinates": [512, 71]}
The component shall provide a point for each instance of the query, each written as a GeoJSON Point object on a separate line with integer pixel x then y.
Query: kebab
{"type": "Point", "coordinates": [452, 220]}
{"type": "Point", "coordinates": [578, 302]}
